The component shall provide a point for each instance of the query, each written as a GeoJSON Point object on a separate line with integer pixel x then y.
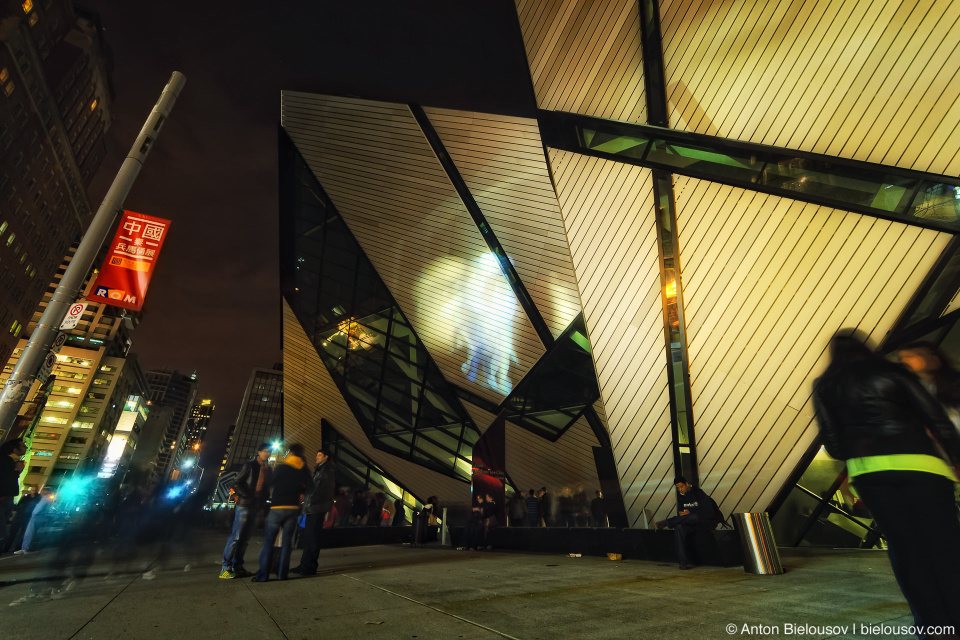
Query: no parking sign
{"type": "Point", "coordinates": [73, 316]}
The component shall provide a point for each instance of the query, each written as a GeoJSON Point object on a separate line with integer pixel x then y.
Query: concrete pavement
{"type": "Point", "coordinates": [395, 591]}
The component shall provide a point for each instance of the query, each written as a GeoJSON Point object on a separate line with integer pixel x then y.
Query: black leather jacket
{"type": "Point", "coordinates": [875, 408]}
{"type": "Point", "coordinates": [245, 485]}
{"type": "Point", "coordinates": [320, 500]}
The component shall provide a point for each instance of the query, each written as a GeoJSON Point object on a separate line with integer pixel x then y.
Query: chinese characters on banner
{"type": "Point", "coordinates": [133, 253]}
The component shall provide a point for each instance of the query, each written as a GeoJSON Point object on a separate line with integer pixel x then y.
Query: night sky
{"type": "Point", "coordinates": [213, 305]}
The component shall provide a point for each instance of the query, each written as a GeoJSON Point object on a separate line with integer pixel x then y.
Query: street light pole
{"type": "Point", "coordinates": [33, 355]}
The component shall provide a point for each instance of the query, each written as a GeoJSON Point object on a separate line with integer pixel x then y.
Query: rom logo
{"type": "Point", "coordinates": [116, 294]}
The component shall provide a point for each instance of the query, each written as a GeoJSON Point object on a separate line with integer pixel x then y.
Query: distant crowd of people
{"type": "Point", "coordinates": [572, 509]}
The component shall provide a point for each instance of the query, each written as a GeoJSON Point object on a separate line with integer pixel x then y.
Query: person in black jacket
{"type": "Point", "coordinates": [695, 512]}
{"type": "Point", "coordinates": [250, 487]}
{"type": "Point", "coordinates": [316, 505]}
{"type": "Point", "coordinates": [876, 416]}
{"type": "Point", "coordinates": [289, 482]}
{"type": "Point", "coordinates": [10, 470]}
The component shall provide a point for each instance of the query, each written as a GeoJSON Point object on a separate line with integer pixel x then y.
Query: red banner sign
{"type": "Point", "coordinates": [133, 253]}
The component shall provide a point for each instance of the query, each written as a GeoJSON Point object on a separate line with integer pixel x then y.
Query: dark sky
{"type": "Point", "coordinates": [213, 304]}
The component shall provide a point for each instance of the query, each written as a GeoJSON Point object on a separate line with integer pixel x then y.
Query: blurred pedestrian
{"type": "Point", "coordinates": [518, 510]}
{"type": "Point", "coordinates": [10, 469]}
{"type": "Point", "coordinates": [581, 507]}
{"type": "Point", "coordinates": [533, 509]}
{"type": "Point", "coordinates": [250, 487]}
{"type": "Point", "coordinates": [399, 513]}
{"type": "Point", "coordinates": [877, 417]}
{"type": "Point", "coordinates": [41, 512]}
{"type": "Point", "coordinates": [937, 375]}
{"type": "Point", "coordinates": [546, 507]}
{"type": "Point", "coordinates": [598, 511]}
{"type": "Point", "coordinates": [18, 526]}
{"type": "Point", "coordinates": [316, 506]}
{"type": "Point", "coordinates": [288, 483]}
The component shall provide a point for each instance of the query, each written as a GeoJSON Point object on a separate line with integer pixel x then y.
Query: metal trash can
{"type": "Point", "coordinates": [760, 555]}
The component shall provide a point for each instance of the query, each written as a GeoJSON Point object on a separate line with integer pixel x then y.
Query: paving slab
{"type": "Point", "coordinates": [395, 591]}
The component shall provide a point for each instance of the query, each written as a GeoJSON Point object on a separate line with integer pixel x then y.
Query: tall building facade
{"type": "Point", "coordinates": [260, 418]}
{"type": "Point", "coordinates": [55, 100]}
{"type": "Point", "coordinates": [644, 276]}
{"type": "Point", "coordinates": [200, 415]}
{"type": "Point", "coordinates": [176, 391]}
{"type": "Point", "coordinates": [95, 378]}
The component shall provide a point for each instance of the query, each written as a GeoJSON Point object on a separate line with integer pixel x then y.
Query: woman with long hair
{"type": "Point", "coordinates": [876, 416]}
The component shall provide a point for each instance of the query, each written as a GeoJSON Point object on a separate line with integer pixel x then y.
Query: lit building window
{"type": "Point", "coordinates": [11, 238]}
{"type": "Point", "coordinates": [8, 88]}
{"type": "Point", "coordinates": [4, 75]}
{"type": "Point", "coordinates": [33, 19]}
{"type": "Point", "coordinates": [27, 6]}
{"type": "Point", "coordinates": [93, 105]}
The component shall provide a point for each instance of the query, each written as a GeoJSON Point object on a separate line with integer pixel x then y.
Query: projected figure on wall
{"type": "Point", "coordinates": [482, 312]}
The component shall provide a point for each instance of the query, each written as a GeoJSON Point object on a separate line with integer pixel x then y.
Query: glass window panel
{"type": "Point", "coordinates": [937, 201]}
{"type": "Point", "coordinates": [687, 156]}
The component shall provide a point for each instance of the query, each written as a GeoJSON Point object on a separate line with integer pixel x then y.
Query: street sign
{"type": "Point", "coordinates": [47, 367]}
{"type": "Point", "coordinates": [73, 316]}
{"type": "Point", "coordinates": [58, 342]}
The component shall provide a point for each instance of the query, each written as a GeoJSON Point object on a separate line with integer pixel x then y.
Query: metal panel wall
{"type": "Point", "coordinates": [501, 159]}
{"type": "Point", "coordinates": [534, 462]}
{"type": "Point", "coordinates": [766, 282]}
{"type": "Point", "coordinates": [310, 394]}
{"type": "Point", "coordinates": [873, 80]}
{"type": "Point", "coordinates": [608, 213]}
{"type": "Point", "coordinates": [385, 180]}
{"type": "Point", "coordinates": [584, 56]}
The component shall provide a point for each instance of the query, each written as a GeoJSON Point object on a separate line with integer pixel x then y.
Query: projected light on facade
{"type": "Point", "coordinates": [476, 317]}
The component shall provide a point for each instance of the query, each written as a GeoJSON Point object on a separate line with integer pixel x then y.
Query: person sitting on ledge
{"type": "Point", "coordinates": [695, 512]}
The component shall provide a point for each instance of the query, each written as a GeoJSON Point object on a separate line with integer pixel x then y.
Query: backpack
{"type": "Point", "coordinates": [718, 518]}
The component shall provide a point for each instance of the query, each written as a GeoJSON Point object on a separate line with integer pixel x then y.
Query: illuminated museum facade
{"type": "Point", "coordinates": [643, 278]}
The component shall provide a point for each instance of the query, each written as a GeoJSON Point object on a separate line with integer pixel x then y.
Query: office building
{"type": "Point", "coordinates": [55, 100]}
{"type": "Point", "coordinates": [177, 392]}
{"type": "Point", "coordinates": [261, 413]}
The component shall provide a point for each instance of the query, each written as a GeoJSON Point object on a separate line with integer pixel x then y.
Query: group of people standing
{"type": "Point", "coordinates": [285, 492]}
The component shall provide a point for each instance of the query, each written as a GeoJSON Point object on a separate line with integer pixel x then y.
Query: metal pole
{"type": "Point", "coordinates": [33, 355]}
{"type": "Point", "coordinates": [444, 531]}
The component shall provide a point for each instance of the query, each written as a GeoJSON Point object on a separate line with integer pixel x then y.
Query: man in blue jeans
{"type": "Point", "coordinates": [250, 486]}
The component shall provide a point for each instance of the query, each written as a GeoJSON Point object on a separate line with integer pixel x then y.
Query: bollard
{"type": "Point", "coordinates": [760, 555]}
{"type": "Point", "coordinates": [444, 533]}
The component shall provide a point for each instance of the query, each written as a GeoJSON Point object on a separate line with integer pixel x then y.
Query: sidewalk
{"type": "Point", "coordinates": [400, 592]}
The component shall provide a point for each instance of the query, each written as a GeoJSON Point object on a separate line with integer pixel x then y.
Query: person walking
{"type": "Point", "coordinates": [316, 505]}
{"type": "Point", "coordinates": [250, 487]}
{"type": "Point", "coordinates": [10, 470]}
{"type": "Point", "coordinates": [40, 512]}
{"type": "Point", "coordinates": [291, 480]}
{"type": "Point", "coordinates": [18, 526]}
{"type": "Point", "coordinates": [877, 417]}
